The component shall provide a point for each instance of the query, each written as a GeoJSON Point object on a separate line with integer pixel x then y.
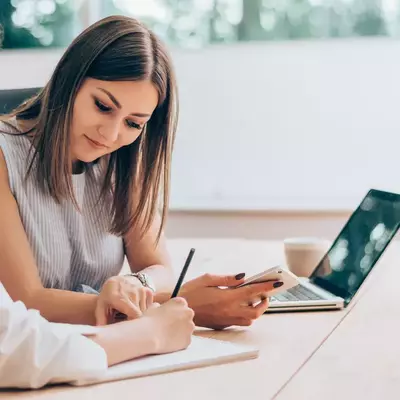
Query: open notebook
{"type": "Point", "coordinates": [201, 352]}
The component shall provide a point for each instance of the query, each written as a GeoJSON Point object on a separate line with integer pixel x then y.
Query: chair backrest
{"type": "Point", "coordinates": [12, 98]}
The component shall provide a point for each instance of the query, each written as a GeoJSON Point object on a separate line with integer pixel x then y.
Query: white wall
{"type": "Point", "coordinates": [291, 125]}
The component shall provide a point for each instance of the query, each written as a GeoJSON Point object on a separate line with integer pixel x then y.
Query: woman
{"type": "Point", "coordinates": [34, 352]}
{"type": "Point", "coordinates": [82, 167]}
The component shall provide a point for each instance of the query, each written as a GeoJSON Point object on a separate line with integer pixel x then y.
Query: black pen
{"type": "Point", "coordinates": [183, 273]}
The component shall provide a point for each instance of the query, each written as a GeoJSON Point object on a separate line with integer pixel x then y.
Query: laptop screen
{"type": "Point", "coordinates": [359, 245]}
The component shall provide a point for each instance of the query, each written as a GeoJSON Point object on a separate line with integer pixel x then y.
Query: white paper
{"type": "Point", "coordinates": [200, 353]}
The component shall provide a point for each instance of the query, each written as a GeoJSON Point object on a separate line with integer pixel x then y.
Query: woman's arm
{"type": "Point", "coordinates": [145, 256]}
{"type": "Point", "coordinates": [19, 273]}
{"type": "Point", "coordinates": [34, 352]}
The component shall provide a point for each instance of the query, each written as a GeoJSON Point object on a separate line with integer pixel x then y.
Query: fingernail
{"type": "Point", "coordinates": [238, 277]}
{"type": "Point", "coordinates": [278, 284]}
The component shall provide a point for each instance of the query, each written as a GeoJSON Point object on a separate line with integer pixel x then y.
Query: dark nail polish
{"type": "Point", "coordinates": [240, 276]}
{"type": "Point", "coordinates": [278, 284]}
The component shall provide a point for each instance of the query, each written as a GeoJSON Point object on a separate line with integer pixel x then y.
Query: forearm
{"type": "Point", "coordinates": [126, 340]}
{"type": "Point", "coordinates": [164, 280]}
{"type": "Point", "coordinates": [64, 306]}
{"type": "Point", "coordinates": [147, 256]}
{"type": "Point", "coordinates": [34, 352]}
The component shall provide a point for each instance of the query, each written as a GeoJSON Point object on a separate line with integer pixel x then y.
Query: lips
{"type": "Point", "coordinates": [96, 143]}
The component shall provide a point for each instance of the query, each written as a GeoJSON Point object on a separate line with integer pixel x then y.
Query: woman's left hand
{"type": "Point", "coordinates": [219, 308]}
{"type": "Point", "coordinates": [122, 298]}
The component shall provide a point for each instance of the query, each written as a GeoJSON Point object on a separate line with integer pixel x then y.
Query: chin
{"type": "Point", "coordinates": [88, 158]}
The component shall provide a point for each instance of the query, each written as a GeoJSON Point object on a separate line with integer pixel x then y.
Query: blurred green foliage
{"type": "Point", "coordinates": [195, 23]}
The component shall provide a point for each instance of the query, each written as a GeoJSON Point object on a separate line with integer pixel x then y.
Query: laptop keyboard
{"type": "Point", "coordinates": [297, 293]}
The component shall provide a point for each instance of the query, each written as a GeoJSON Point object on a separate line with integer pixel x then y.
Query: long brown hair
{"type": "Point", "coordinates": [115, 48]}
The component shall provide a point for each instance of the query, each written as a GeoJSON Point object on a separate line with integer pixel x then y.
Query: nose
{"type": "Point", "coordinates": [109, 131]}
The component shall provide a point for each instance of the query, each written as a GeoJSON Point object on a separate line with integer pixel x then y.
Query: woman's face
{"type": "Point", "coordinates": [108, 115]}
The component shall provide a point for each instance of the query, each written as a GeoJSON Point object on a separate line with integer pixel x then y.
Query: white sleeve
{"type": "Point", "coordinates": [34, 353]}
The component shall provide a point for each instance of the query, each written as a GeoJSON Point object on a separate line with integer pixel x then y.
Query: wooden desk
{"type": "Point", "coordinates": [361, 359]}
{"type": "Point", "coordinates": [286, 341]}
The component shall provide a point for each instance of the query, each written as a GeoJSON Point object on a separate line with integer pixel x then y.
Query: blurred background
{"type": "Point", "coordinates": [289, 108]}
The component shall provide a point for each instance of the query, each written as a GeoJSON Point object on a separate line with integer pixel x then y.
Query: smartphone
{"type": "Point", "coordinates": [275, 273]}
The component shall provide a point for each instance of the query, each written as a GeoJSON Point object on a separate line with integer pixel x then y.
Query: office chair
{"type": "Point", "coordinates": [12, 98]}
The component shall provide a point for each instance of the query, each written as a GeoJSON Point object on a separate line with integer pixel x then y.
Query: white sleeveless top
{"type": "Point", "coordinates": [71, 247]}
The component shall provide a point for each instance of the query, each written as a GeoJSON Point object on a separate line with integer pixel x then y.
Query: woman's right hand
{"type": "Point", "coordinates": [121, 299]}
{"type": "Point", "coordinates": [161, 329]}
{"type": "Point", "coordinates": [172, 324]}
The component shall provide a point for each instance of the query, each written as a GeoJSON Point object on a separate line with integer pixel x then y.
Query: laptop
{"type": "Point", "coordinates": [354, 253]}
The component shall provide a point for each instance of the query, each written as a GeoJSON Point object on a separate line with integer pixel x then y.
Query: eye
{"type": "Point", "coordinates": [102, 107]}
{"type": "Point", "coordinates": [133, 125]}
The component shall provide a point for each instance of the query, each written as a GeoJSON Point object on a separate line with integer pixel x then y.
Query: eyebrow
{"type": "Point", "coordinates": [118, 104]}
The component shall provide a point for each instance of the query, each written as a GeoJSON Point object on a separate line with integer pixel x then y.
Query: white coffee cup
{"type": "Point", "coordinates": [304, 253]}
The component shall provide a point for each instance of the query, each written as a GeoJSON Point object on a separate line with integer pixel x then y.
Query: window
{"type": "Point", "coordinates": [198, 23]}
{"type": "Point", "coordinates": [39, 23]}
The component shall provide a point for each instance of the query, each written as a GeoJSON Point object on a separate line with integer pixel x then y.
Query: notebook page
{"type": "Point", "coordinates": [200, 353]}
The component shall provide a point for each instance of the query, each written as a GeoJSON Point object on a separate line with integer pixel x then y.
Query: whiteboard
{"type": "Point", "coordinates": [303, 125]}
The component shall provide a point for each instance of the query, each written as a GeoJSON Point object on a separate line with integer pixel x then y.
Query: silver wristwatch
{"type": "Point", "coordinates": [144, 279]}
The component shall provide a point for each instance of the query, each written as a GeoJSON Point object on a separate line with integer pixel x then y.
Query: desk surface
{"type": "Point", "coordinates": [295, 348]}
{"type": "Point", "coordinates": [361, 359]}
